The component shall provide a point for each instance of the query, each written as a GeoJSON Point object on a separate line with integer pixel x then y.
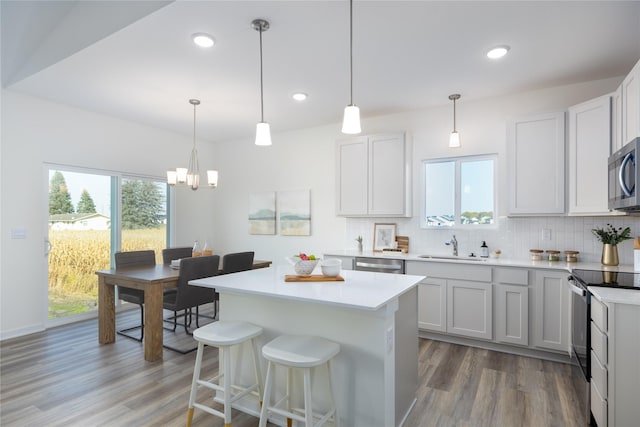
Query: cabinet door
{"type": "Point", "coordinates": [535, 147]}
{"type": "Point", "coordinates": [512, 314]}
{"type": "Point", "coordinates": [616, 120]}
{"type": "Point", "coordinates": [631, 105]}
{"type": "Point", "coordinates": [469, 309]}
{"type": "Point", "coordinates": [589, 148]}
{"type": "Point", "coordinates": [432, 305]}
{"type": "Point", "coordinates": [551, 312]}
{"type": "Point", "coordinates": [352, 173]}
{"type": "Point", "coordinates": [388, 175]}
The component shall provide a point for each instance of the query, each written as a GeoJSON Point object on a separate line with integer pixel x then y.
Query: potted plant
{"type": "Point", "coordinates": [610, 237]}
{"type": "Point", "coordinates": [359, 240]}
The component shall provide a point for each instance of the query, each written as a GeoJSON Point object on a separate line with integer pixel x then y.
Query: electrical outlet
{"type": "Point", "coordinates": [546, 234]}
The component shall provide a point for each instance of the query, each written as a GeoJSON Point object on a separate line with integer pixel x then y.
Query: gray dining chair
{"type": "Point", "coordinates": [171, 254]}
{"type": "Point", "coordinates": [187, 296]}
{"type": "Point", "coordinates": [238, 261]}
{"type": "Point", "coordinates": [142, 258]}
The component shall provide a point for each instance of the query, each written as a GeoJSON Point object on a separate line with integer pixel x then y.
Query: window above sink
{"type": "Point", "coordinates": [459, 192]}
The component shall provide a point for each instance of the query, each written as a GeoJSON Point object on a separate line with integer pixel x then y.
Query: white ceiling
{"type": "Point", "coordinates": [136, 60]}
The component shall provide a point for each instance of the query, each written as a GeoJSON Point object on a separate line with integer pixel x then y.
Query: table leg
{"type": "Point", "coordinates": [153, 323]}
{"type": "Point", "coordinates": [106, 312]}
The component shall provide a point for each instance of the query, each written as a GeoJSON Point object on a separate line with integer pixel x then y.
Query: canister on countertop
{"type": "Point", "coordinates": [571, 256]}
{"type": "Point", "coordinates": [535, 254]}
{"type": "Point", "coordinates": [636, 254]}
{"type": "Point", "coordinates": [553, 255]}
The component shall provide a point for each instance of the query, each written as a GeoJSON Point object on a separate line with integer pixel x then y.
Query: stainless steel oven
{"type": "Point", "coordinates": [581, 343]}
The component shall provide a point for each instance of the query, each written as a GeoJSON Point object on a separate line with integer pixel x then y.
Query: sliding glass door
{"type": "Point", "coordinates": [91, 215]}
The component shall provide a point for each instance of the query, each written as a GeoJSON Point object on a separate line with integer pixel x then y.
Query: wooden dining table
{"type": "Point", "coordinates": [153, 281]}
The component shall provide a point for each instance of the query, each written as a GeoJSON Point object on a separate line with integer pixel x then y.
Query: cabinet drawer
{"type": "Point", "coordinates": [599, 376]}
{"type": "Point", "coordinates": [599, 343]}
{"type": "Point", "coordinates": [599, 314]}
{"type": "Point", "coordinates": [512, 276]}
{"type": "Point", "coordinates": [598, 407]}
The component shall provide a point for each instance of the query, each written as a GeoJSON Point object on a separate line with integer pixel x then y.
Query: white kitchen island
{"type": "Point", "coordinates": [373, 316]}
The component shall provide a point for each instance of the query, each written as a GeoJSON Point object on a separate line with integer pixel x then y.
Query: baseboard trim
{"type": "Point", "coordinates": [505, 348]}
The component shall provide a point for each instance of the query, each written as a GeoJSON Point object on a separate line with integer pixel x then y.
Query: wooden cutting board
{"type": "Point", "coordinates": [312, 278]}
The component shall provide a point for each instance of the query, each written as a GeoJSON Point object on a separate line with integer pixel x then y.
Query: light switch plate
{"type": "Point", "coordinates": [546, 234]}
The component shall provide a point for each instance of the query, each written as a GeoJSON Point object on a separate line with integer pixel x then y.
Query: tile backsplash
{"type": "Point", "coordinates": [514, 236]}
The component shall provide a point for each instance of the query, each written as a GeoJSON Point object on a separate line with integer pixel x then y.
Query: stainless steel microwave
{"type": "Point", "coordinates": [624, 174]}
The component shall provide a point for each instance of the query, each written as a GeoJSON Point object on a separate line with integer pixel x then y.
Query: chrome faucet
{"type": "Point", "coordinates": [454, 243]}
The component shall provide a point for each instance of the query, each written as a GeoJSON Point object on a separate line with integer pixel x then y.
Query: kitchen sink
{"type": "Point", "coordinates": [452, 258]}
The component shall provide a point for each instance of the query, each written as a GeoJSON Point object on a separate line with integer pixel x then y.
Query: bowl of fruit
{"type": "Point", "coordinates": [303, 264]}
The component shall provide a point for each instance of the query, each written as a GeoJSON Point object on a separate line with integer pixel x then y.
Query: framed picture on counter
{"type": "Point", "coordinates": [384, 236]}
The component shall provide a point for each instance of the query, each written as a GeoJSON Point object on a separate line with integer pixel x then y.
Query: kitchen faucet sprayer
{"type": "Point", "coordinates": [453, 242]}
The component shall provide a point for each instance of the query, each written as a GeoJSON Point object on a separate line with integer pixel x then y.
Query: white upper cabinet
{"type": "Point", "coordinates": [536, 163]}
{"type": "Point", "coordinates": [589, 148]}
{"type": "Point", "coordinates": [631, 105]}
{"type": "Point", "coordinates": [373, 176]}
{"type": "Point", "coordinates": [616, 120]}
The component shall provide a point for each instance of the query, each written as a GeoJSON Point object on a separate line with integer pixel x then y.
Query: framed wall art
{"type": "Point", "coordinates": [384, 236]}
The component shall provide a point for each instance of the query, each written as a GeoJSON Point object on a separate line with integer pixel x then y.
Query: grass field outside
{"type": "Point", "coordinates": [75, 257]}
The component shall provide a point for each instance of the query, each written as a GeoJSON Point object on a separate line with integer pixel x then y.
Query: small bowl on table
{"type": "Point", "coordinates": [331, 267]}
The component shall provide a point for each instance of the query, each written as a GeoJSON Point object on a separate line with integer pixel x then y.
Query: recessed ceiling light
{"type": "Point", "coordinates": [300, 96]}
{"type": "Point", "coordinates": [203, 40]}
{"type": "Point", "coordinates": [498, 52]}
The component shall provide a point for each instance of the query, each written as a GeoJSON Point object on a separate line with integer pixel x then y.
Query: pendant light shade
{"type": "Point", "coordinates": [263, 133]}
{"type": "Point", "coordinates": [454, 138]}
{"type": "Point", "coordinates": [351, 120]}
{"type": "Point", "coordinates": [191, 175]}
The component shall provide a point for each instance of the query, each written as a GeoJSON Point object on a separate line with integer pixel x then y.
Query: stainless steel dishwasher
{"type": "Point", "coordinates": [381, 265]}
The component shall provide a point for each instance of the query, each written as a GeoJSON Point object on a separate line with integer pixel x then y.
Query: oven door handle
{"type": "Point", "coordinates": [576, 289]}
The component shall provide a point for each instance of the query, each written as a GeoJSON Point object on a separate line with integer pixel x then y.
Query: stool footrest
{"type": "Point", "coordinates": [209, 410]}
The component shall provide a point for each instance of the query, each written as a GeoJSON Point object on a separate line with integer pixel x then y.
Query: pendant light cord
{"type": "Point", "coordinates": [351, 51]}
{"type": "Point", "coordinates": [454, 115]}
{"type": "Point", "coordinates": [194, 126]}
{"type": "Point", "coordinates": [261, 85]}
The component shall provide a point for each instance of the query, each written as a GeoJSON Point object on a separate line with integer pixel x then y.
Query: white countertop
{"type": "Point", "coordinates": [504, 262]}
{"type": "Point", "coordinates": [360, 290]}
{"type": "Point", "coordinates": [607, 295]}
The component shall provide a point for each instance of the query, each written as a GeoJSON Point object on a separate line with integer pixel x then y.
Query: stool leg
{"type": "Point", "coordinates": [194, 383]}
{"type": "Point", "coordinates": [256, 369]}
{"type": "Point", "coordinates": [226, 359]}
{"type": "Point", "coordinates": [308, 410]}
{"type": "Point", "coordinates": [289, 391]}
{"type": "Point", "coordinates": [336, 422]}
{"type": "Point", "coordinates": [267, 395]}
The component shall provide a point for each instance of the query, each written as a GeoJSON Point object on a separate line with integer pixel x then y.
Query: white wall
{"type": "Point", "coordinates": [36, 131]}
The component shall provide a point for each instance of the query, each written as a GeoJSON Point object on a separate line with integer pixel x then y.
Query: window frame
{"type": "Point", "coordinates": [457, 192]}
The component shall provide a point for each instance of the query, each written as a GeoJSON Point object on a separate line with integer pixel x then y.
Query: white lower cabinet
{"type": "Point", "coordinates": [551, 310]}
{"type": "Point", "coordinates": [615, 363]}
{"type": "Point", "coordinates": [447, 303]}
{"type": "Point", "coordinates": [432, 304]}
{"type": "Point", "coordinates": [512, 314]}
{"type": "Point", "coordinates": [470, 309]}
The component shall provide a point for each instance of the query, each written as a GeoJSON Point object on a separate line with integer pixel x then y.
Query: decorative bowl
{"type": "Point", "coordinates": [305, 267]}
{"type": "Point", "coordinates": [331, 267]}
{"type": "Point", "coordinates": [302, 267]}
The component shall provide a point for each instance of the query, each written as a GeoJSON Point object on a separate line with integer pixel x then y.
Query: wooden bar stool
{"type": "Point", "coordinates": [303, 352]}
{"type": "Point", "coordinates": [224, 335]}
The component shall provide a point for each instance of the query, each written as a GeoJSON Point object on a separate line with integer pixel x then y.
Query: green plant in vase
{"type": "Point", "coordinates": [610, 237]}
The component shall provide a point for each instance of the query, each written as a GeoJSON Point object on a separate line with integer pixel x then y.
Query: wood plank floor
{"type": "Point", "coordinates": [63, 377]}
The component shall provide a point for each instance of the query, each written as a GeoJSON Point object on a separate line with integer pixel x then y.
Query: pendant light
{"type": "Point", "coordinates": [263, 133]}
{"type": "Point", "coordinates": [454, 138]}
{"type": "Point", "coordinates": [351, 120]}
{"type": "Point", "coordinates": [191, 175]}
